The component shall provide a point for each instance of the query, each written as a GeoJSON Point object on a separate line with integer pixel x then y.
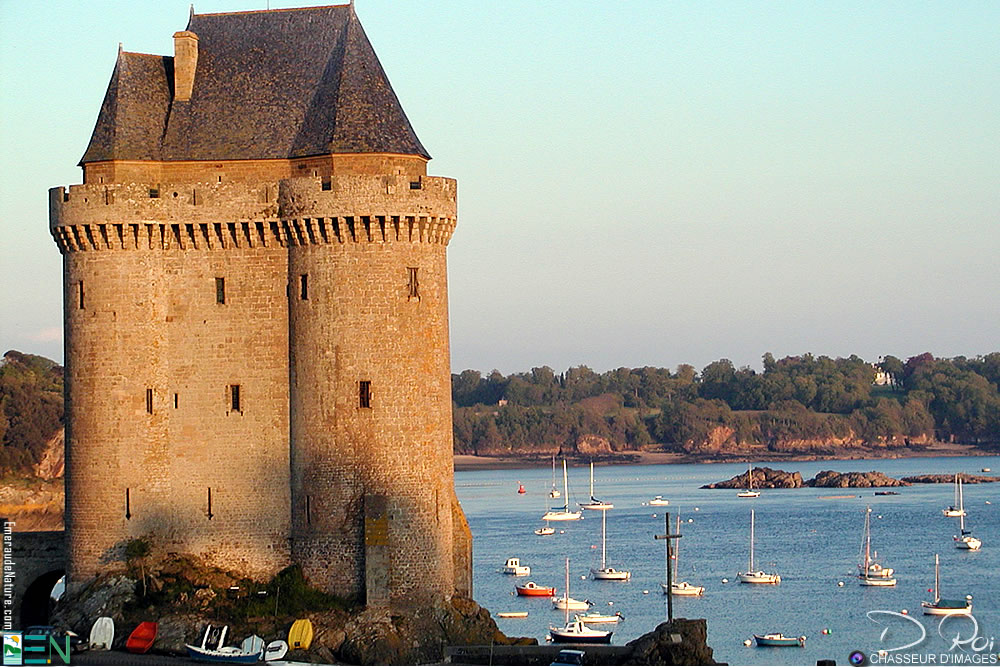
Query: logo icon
{"type": "Point", "coordinates": [857, 658]}
{"type": "Point", "coordinates": [12, 648]}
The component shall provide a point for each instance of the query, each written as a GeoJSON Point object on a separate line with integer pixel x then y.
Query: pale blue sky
{"type": "Point", "coordinates": [640, 183]}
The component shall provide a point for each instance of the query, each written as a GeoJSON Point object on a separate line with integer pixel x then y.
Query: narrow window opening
{"type": "Point", "coordinates": [234, 397]}
{"type": "Point", "coordinates": [210, 515]}
{"type": "Point", "coordinates": [220, 179]}
{"type": "Point", "coordinates": [308, 510]}
{"type": "Point", "coordinates": [101, 179]}
{"type": "Point", "coordinates": [175, 401]}
{"type": "Point", "coordinates": [154, 193]}
{"type": "Point", "coordinates": [327, 184]}
{"type": "Point", "coordinates": [149, 401]}
{"type": "Point", "coordinates": [304, 286]}
{"type": "Point", "coordinates": [128, 504]}
{"type": "Point", "coordinates": [365, 394]}
{"type": "Point", "coordinates": [413, 285]}
{"type": "Point", "coordinates": [81, 295]}
{"type": "Point", "coordinates": [220, 290]}
{"type": "Point", "coordinates": [414, 185]}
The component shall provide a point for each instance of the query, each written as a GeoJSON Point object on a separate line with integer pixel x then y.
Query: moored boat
{"type": "Point", "coordinates": [871, 573]}
{"type": "Point", "coordinates": [531, 589]}
{"type": "Point", "coordinates": [942, 606]}
{"type": "Point", "coordinates": [513, 566]}
{"type": "Point", "coordinates": [577, 632]}
{"type": "Point", "coordinates": [778, 639]}
{"type": "Point", "coordinates": [512, 614]}
{"type": "Point", "coordinates": [750, 492]}
{"type": "Point", "coordinates": [596, 619]}
{"type": "Point", "coordinates": [594, 503]}
{"type": "Point", "coordinates": [659, 500]}
{"type": "Point", "coordinates": [563, 514]}
{"type": "Point", "coordinates": [752, 576]}
{"type": "Point", "coordinates": [605, 572]}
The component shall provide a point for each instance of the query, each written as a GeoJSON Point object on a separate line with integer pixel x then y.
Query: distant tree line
{"type": "Point", "coordinates": [31, 409]}
{"type": "Point", "coordinates": [795, 402]}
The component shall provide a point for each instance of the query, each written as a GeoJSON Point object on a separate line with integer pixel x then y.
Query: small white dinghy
{"type": "Point", "coordinates": [102, 634]}
{"type": "Point", "coordinates": [276, 650]}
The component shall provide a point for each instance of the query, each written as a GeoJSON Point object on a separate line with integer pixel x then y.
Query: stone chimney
{"type": "Point", "coordinates": [185, 64]}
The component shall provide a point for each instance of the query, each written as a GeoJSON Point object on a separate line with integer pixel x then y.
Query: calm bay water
{"type": "Point", "coordinates": [812, 542]}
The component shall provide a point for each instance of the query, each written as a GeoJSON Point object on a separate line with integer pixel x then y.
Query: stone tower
{"type": "Point", "coordinates": [256, 315]}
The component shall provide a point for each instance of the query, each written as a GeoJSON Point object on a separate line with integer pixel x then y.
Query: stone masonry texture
{"type": "Point", "coordinates": [256, 340]}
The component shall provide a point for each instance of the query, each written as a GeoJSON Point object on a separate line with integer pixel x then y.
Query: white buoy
{"type": "Point", "coordinates": [725, 581]}
{"type": "Point", "coordinates": [610, 603]}
{"type": "Point", "coordinates": [904, 612]}
{"type": "Point", "coordinates": [748, 642]}
{"type": "Point", "coordinates": [583, 576]}
{"type": "Point", "coordinates": [645, 592]}
{"type": "Point", "coordinates": [697, 509]}
{"type": "Point", "coordinates": [840, 583]}
{"type": "Point", "coordinates": [690, 520]}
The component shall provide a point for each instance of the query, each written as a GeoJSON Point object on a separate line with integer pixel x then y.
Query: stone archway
{"type": "Point", "coordinates": [36, 603]}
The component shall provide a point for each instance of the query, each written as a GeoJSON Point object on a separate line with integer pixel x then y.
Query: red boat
{"type": "Point", "coordinates": [142, 637]}
{"type": "Point", "coordinates": [531, 589]}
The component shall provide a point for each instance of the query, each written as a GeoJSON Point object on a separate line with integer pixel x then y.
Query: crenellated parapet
{"type": "Point", "coordinates": [291, 212]}
{"type": "Point", "coordinates": [359, 209]}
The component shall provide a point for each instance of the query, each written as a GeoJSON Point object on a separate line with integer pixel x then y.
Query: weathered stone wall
{"type": "Point", "coordinates": [252, 171]}
{"type": "Point", "coordinates": [359, 323]}
{"type": "Point", "coordinates": [145, 258]}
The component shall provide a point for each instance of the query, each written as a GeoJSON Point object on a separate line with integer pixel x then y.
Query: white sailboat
{"type": "Point", "coordinates": [752, 576]}
{"type": "Point", "coordinates": [955, 509]}
{"type": "Point", "coordinates": [607, 573]}
{"type": "Point", "coordinates": [870, 573]}
{"type": "Point", "coordinates": [594, 503]}
{"type": "Point", "coordinates": [554, 493]}
{"type": "Point", "coordinates": [941, 606]}
{"type": "Point", "coordinates": [750, 492]}
{"type": "Point", "coordinates": [577, 632]}
{"type": "Point", "coordinates": [680, 588]}
{"type": "Point", "coordinates": [965, 540]}
{"type": "Point", "coordinates": [563, 514]}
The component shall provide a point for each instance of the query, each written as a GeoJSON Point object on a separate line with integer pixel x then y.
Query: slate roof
{"type": "Point", "coordinates": [268, 84]}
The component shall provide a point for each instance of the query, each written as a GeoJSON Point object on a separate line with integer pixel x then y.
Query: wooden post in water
{"type": "Point", "coordinates": [670, 555]}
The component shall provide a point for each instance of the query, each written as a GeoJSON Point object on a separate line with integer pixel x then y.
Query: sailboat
{"type": "Point", "coordinates": [607, 572]}
{"type": "Point", "coordinates": [952, 510]}
{"type": "Point", "coordinates": [681, 588]}
{"type": "Point", "coordinates": [750, 492]}
{"type": "Point", "coordinates": [941, 606]}
{"type": "Point", "coordinates": [563, 514]}
{"type": "Point", "coordinates": [965, 540]}
{"type": "Point", "coordinates": [752, 576]}
{"type": "Point", "coordinates": [577, 632]}
{"type": "Point", "coordinates": [594, 503]}
{"type": "Point", "coordinates": [871, 573]}
{"type": "Point", "coordinates": [554, 493]}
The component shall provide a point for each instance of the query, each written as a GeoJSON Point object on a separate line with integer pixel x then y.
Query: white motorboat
{"type": "Point", "coordinates": [567, 603]}
{"type": "Point", "coordinates": [870, 573]}
{"type": "Point", "coordinates": [955, 509]}
{"type": "Point", "coordinates": [965, 540]}
{"type": "Point", "coordinates": [750, 491]}
{"type": "Point", "coordinates": [678, 588]}
{"type": "Point", "coordinates": [594, 618]}
{"type": "Point", "coordinates": [577, 632]}
{"type": "Point", "coordinates": [941, 606]}
{"type": "Point", "coordinates": [513, 566]}
{"type": "Point", "coordinates": [545, 530]}
{"type": "Point", "coordinates": [752, 576]}
{"type": "Point", "coordinates": [594, 503]}
{"type": "Point", "coordinates": [563, 513]}
{"type": "Point", "coordinates": [659, 500]}
{"type": "Point", "coordinates": [607, 573]}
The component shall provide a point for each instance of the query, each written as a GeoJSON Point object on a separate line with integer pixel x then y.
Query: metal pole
{"type": "Point", "coordinates": [667, 536]}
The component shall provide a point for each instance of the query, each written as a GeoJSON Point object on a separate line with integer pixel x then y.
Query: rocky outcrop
{"type": "Point", "coordinates": [844, 480]}
{"type": "Point", "coordinates": [679, 642]}
{"type": "Point", "coordinates": [763, 478]}
{"type": "Point", "coordinates": [53, 462]}
{"type": "Point", "coordinates": [184, 596]}
{"type": "Point", "coordinates": [950, 479]}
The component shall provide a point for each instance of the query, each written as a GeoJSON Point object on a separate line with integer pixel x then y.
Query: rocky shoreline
{"type": "Point", "coordinates": [767, 478]}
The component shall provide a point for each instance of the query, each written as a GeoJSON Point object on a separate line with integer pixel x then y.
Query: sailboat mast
{"type": "Point", "coordinates": [565, 485]}
{"type": "Point", "coordinates": [678, 547]}
{"type": "Point", "coordinates": [751, 541]}
{"type": "Point", "coordinates": [592, 480]}
{"type": "Point", "coordinates": [937, 580]}
{"type": "Point", "coordinates": [604, 538]}
{"type": "Point", "coordinates": [868, 537]}
{"type": "Point", "coordinates": [961, 507]}
{"type": "Point", "coordinates": [566, 590]}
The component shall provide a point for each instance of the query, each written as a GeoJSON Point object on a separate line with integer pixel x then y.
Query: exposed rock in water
{"type": "Point", "coordinates": [763, 478]}
{"type": "Point", "coordinates": [844, 480]}
{"type": "Point", "coordinates": [660, 647]}
{"type": "Point", "coordinates": [949, 479]}
{"type": "Point", "coordinates": [184, 596]}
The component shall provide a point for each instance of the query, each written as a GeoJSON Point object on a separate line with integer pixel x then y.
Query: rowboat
{"type": "Point", "coordinates": [142, 638]}
{"type": "Point", "coordinates": [512, 614]}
